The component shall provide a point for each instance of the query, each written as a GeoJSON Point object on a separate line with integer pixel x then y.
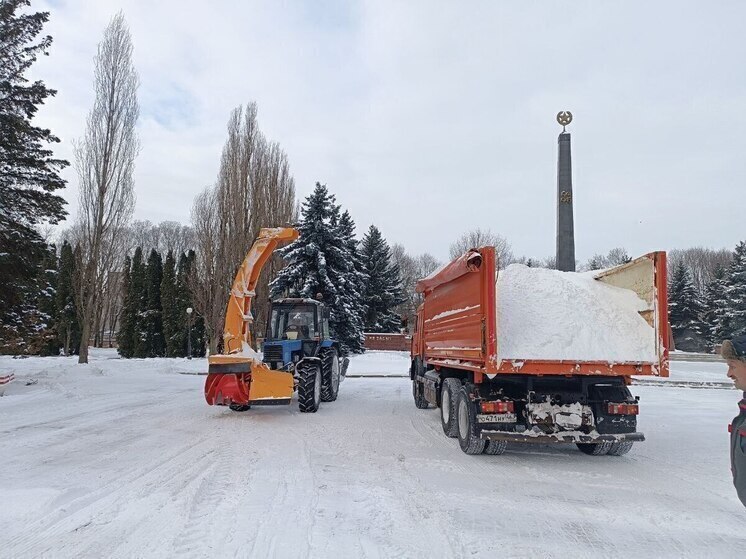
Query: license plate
{"type": "Point", "coordinates": [496, 418]}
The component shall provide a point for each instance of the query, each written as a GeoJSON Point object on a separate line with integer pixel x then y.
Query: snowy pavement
{"type": "Point", "coordinates": [124, 459]}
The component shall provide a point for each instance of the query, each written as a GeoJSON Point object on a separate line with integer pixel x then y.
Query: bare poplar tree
{"type": "Point", "coordinates": [105, 162]}
{"type": "Point", "coordinates": [483, 237]}
{"type": "Point", "coordinates": [412, 269]}
{"type": "Point", "coordinates": [701, 262]}
{"type": "Point", "coordinates": [254, 189]}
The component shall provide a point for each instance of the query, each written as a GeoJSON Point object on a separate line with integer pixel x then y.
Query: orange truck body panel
{"type": "Point", "coordinates": [457, 323]}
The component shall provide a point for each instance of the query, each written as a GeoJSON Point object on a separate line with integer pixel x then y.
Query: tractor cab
{"type": "Point", "coordinates": [297, 329]}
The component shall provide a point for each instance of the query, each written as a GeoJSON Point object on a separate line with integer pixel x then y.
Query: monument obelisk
{"type": "Point", "coordinates": [565, 226]}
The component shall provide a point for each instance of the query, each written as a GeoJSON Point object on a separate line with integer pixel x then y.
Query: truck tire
{"type": "Point", "coordinates": [620, 448]}
{"type": "Point", "coordinates": [240, 407]}
{"type": "Point", "coordinates": [309, 387]}
{"type": "Point", "coordinates": [468, 435]}
{"type": "Point", "coordinates": [331, 374]}
{"type": "Point", "coordinates": [449, 390]}
{"type": "Point", "coordinates": [418, 392]}
{"type": "Point", "coordinates": [594, 449]}
{"type": "Point", "coordinates": [495, 447]}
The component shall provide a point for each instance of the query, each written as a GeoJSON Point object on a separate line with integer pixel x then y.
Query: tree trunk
{"type": "Point", "coordinates": [84, 335]}
{"type": "Point", "coordinates": [66, 346]}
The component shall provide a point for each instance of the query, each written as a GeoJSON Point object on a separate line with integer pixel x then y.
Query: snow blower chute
{"type": "Point", "coordinates": [298, 352]}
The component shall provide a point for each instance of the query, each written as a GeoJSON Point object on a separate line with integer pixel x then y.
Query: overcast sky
{"type": "Point", "coordinates": [431, 118]}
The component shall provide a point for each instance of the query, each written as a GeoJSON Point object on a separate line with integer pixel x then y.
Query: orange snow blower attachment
{"type": "Point", "coordinates": [238, 378]}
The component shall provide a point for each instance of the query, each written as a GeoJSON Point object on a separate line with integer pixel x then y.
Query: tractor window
{"type": "Point", "coordinates": [297, 322]}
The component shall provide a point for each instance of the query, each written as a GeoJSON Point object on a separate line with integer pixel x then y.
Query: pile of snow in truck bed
{"type": "Point", "coordinates": [548, 314]}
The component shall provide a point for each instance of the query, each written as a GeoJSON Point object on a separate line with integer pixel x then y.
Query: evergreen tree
{"type": "Point", "coordinates": [152, 316]}
{"type": "Point", "coordinates": [172, 319]}
{"type": "Point", "coordinates": [131, 338]}
{"type": "Point", "coordinates": [29, 174]}
{"type": "Point", "coordinates": [351, 330]}
{"type": "Point", "coordinates": [68, 329]}
{"type": "Point", "coordinates": [45, 339]}
{"type": "Point", "coordinates": [685, 309]}
{"type": "Point", "coordinates": [715, 307]}
{"type": "Point", "coordinates": [185, 301]}
{"type": "Point", "coordinates": [383, 290]}
{"type": "Point", "coordinates": [318, 263]}
{"type": "Point", "coordinates": [734, 316]}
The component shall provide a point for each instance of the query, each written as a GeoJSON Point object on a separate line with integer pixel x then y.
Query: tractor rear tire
{"type": "Point", "coordinates": [309, 387]}
{"type": "Point", "coordinates": [594, 449]}
{"type": "Point", "coordinates": [466, 414]}
{"type": "Point", "coordinates": [331, 375]}
{"type": "Point", "coordinates": [448, 397]}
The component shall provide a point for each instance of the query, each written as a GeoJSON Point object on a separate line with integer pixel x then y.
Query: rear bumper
{"type": "Point", "coordinates": [562, 437]}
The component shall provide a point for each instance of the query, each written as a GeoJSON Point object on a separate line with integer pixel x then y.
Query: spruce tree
{"type": "Point", "coordinates": [351, 330]}
{"type": "Point", "coordinates": [685, 309]}
{"type": "Point", "coordinates": [734, 316]}
{"type": "Point", "coordinates": [29, 174]}
{"type": "Point", "coordinates": [308, 258]}
{"type": "Point", "coordinates": [713, 315]}
{"type": "Point", "coordinates": [383, 289]}
{"type": "Point", "coordinates": [185, 301]}
{"type": "Point", "coordinates": [45, 335]}
{"type": "Point", "coordinates": [68, 329]}
{"type": "Point", "coordinates": [131, 337]}
{"type": "Point", "coordinates": [152, 316]}
{"type": "Point", "coordinates": [318, 263]}
{"type": "Point", "coordinates": [172, 320]}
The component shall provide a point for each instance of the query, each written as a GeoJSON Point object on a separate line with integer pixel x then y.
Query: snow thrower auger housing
{"type": "Point", "coordinates": [299, 353]}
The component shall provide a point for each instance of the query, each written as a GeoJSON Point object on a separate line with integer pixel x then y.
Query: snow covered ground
{"type": "Point", "coordinates": [124, 459]}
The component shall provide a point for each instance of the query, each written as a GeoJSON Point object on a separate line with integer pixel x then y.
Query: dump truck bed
{"type": "Point", "coordinates": [459, 325]}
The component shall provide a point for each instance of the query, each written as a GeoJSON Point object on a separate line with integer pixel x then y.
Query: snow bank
{"type": "Point", "coordinates": [548, 314]}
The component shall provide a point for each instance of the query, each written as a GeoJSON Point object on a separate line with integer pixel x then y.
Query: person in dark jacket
{"type": "Point", "coordinates": [734, 352]}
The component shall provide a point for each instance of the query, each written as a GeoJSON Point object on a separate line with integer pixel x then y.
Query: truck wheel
{"type": "Point", "coordinates": [240, 407]}
{"type": "Point", "coordinates": [309, 387]}
{"type": "Point", "coordinates": [418, 391]}
{"type": "Point", "coordinates": [448, 396]}
{"type": "Point", "coordinates": [620, 448]}
{"type": "Point", "coordinates": [594, 449]}
{"type": "Point", "coordinates": [495, 447]}
{"type": "Point", "coordinates": [331, 374]}
{"type": "Point", "coordinates": [468, 436]}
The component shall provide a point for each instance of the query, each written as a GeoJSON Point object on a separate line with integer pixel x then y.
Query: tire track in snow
{"type": "Point", "coordinates": [87, 510]}
{"type": "Point", "coordinates": [198, 534]}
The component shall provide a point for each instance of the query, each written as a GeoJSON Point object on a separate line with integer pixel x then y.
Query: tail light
{"type": "Point", "coordinates": [497, 407]}
{"type": "Point", "coordinates": [623, 409]}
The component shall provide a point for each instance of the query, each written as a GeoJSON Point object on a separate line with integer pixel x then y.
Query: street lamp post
{"type": "Point", "coordinates": [189, 333]}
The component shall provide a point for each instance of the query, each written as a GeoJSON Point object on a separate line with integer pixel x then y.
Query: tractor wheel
{"type": "Point", "coordinates": [331, 374]}
{"type": "Point", "coordinates": [240, 407]}
{"type": "Point", "coordinates": [466, 416]}
{"type": "Point", "coordinates": [595, 449]}
{"type": "Point", "coordinates": [418, 391]}
{"type": "Point", "coordinates": [309, 387]}
{"type": "Point", "coordinates": [448, 395]}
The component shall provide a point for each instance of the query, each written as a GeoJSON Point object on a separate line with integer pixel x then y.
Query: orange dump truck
{"type": "Point", "coordinates": [539, 356]}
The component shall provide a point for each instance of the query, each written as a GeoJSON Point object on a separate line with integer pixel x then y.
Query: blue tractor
{"type": "Point", "coordinates": [298, 341]}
